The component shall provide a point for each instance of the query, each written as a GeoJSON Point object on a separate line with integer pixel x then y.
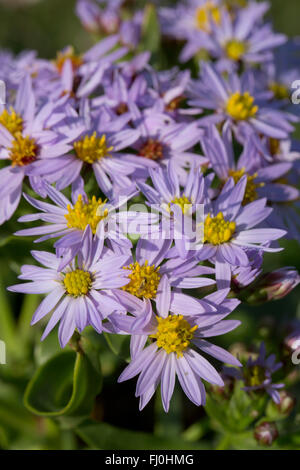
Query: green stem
{"type": "Point", "coordinates": [224, 442]}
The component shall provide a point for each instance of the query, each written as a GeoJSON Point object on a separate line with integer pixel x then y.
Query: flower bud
{"type": "Point", "coordinates": [274, 285]}
{"type": "Point", "coordinates": [287, 402]}
{"type": "Point", "coordinates": [266, 433]}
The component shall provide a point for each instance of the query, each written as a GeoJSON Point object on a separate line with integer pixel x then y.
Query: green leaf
{"type": "Point", "coordinates": [118, 344]}
{"type": "Point", "coordinates": [104, 436]}
{"type": "Point", "coordinates": [151, 35]}
{"type": "Point", "coordinates": [7, 322]}
{"type": "Point", "coordinates": [65, 385]}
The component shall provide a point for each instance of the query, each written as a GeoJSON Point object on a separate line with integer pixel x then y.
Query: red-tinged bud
{"type": "Point", "coordinates": [287, 402]}
{"type": "Point", "coordinates": [274, 286]}
{"type": "Point", "coordinates": [266, 433]}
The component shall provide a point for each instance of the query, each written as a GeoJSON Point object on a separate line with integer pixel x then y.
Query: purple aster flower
{"type": "Point", "coordinates": [229, 230]}
{"type": "Point", "coordinates": [150, 268]}
{"type": "Point", "coordinates": [190, 19]}
{"type": "Point", "coordinates": [176, 206]}
{"type": "Point", "coordinates": [168, 94]}
{"type": "Point", "coordinates": [263, 180]}
{"type": "Point", "coordinates": [242, 276]}
{"type": "Point", "coordinates": [25, 139]}
{"type": "Point", "coordinates": [237, 39]}
{"type": "Point", "coordinates": [97, 143]}
{"type": "Point", "coordinates": [257, 374]}
{"type": "Point", "coordinates": [80, 295]}
{"type": "Point", "coordinates": [162, 139]}
{"type": "Point", "coordinates": [120, 90]}
{"type": "Point", "coordinates": [69, 220]}
{"type": "Point", "coordinates": [100, 19]}
{"type": "Point", "coordinates": [165, 345]}
{"type": "Point", "coordinates": [236, 101]}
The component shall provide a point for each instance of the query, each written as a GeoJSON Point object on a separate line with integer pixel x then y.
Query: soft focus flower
{"type": "Point", "coordinates": [266, 433]}
{"type": "Point", "coordinates": [274, 285]}
{"type": "Point", "coordinates": [257, 374]}
{"type": "Point", "coordinates": [237, 39]}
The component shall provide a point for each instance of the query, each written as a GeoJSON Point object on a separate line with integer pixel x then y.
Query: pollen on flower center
{"type": "Point", "coordinates": [274, 145]}
{"type": "Point", "coordinates": [144, 280]}
{"type": "Point", "coordinates": [241, 106]}
{"type": "Point", "coordinates": [235, 49]}
{"type": "Point", "coordinates": [12, 121]}
{"type": "Point", "coordinates": [217, 230]}
{"type": "Point", "coordinates": [86, 213]}
{"type": "Point", "coordinates": [92, 148]}
{"type": "Point", "coordinates": [250, 191]}
{"type": "Point", "coordinates": [254, 375]}
{"type": "Point", "coordinates": [281, 92]}
{"type": "Point", "coordinates": [78, 282]}
{"type": "Point", "coordinates": [173, 334]}
{"type": "Point", "coordinates": [204, 13]}
{"type": "Point", "coordinates": [24, 150]}
{"type": "Point", "coordinates": [183, 202]}
{"type": "Point", "coordinates": [152, 149]}
{"type": "Point", "coordinates": [68, 54]}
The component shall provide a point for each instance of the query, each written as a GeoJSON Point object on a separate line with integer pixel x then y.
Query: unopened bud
{"type": "Point", "coordinates": [274, 285]}
{"type": "Point", "coordinates": [266, 433]}
{"type": "Point", "coordinates": [287, 402]}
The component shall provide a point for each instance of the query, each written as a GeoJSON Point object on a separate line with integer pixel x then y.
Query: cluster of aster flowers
{"type": "Point", "coordinates": [210, 159]}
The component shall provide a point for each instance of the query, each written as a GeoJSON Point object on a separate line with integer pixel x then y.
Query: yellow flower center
{"type": "Point", "coordinates": [274, 146]}
{"type": "Point", "coordinates": [152, 149]}
{"type": "Point", "coordinates": [235, 49]}
{"type": "Point", "coordinates": [281, 92]}
{"type": "Point", "coordinates": [12, 121]}
{"type": "Point", "coordinates": [144, 280]}
{"type": "Point", "coordinates": [78, 282]}
{"type": "Point", "coordinates": [23, 151]}
{"type": "Point", "coordinates": [86, 213]}
{"type": "Point", "coordinates": [183, 202]}
{"type": "Point", "coordinates": [206, 12]}
{"type": "Point", "coordinates": [173, 334]}
{"type": "Point", "coordinates": [217, 230]}
{"type": "Point", "coordinates": [241, 106]}
{"type": "Point", "coordinates": [254, 376]}
{"type": "Point", "coordinates": [250, 191]}
{"type": "Point", "coordinates": [231, 4]}
{"type": "Point", "coordinates": [92, 148]}
{"type": "Point", "coordinates": [69, 54]}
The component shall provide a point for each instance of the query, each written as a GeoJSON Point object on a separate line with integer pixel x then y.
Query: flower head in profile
{"type": "Point", "coordinates": [81, 294]}
{"type": "Point", "coordinates": [165, 345]}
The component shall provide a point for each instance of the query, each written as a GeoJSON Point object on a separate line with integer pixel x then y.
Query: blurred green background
{"type": "Point", "coordinates": [47, 26]}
